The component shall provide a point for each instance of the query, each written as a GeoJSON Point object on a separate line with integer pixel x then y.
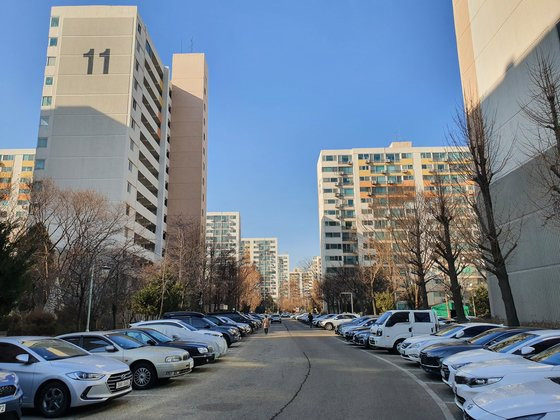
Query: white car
{"type": "Point", "coordinates": [411, 347]}
{"type": "Point", "coordinates": [511, 347]}
{"type": "Point", "coordinates": [336, 320]}
{"type": "Point", "coordinates": [475, 378]}
{"type": "Point", "coordinates": [528, 401]}
{"type": "Point", "coordinates": [147, 363]}
{"type": "Point", "coordinates": [175, 328]}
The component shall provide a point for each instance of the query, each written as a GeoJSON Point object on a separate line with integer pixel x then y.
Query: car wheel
{"type": "Point", "coordinates": [53, 399]}
{"type": "Point", "coordinates": [329, 326]}
{"type": "Point", "coordinates": [394, 349]}
{"type": "Point", "coordinates": [228, 340]}
{"type": "Point", "coordinates": [144, 376]}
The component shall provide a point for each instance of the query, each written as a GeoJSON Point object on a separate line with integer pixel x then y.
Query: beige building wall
{"type": "Point", "coordinates": [497, 43]}
{"type": "Point", "coordinates": [16, 177]}
{"type": "Point", "coordinates": [189, 137]}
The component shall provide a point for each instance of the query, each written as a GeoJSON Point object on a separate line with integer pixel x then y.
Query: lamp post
{"type": "Point", "coordinates": [91, 292]}
{"type": "Point", "coordinates": [351, 299]}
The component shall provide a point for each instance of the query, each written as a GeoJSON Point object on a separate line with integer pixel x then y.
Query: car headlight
{"type": "Point", "coordinates": [232, 331]}
{"type": "Point", "coordinates": [460, 365]}
{"type": "Point", "coordinates": [172, 359]}
{"type": "Point", "coordinates": [85, 376]}
{"type": "Point", "coordinates": [202, 350]}
{"type": "Point", "coordinates": [415, 345]}
{"type": "Point", "coordinates": [473, 382]}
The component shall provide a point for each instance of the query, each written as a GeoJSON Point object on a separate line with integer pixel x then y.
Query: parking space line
{"type": "Point", "coordinates": [442, 405]}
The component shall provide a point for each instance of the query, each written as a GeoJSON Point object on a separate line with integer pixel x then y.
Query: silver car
{"type": "Point", "coordinates": [56, 375]}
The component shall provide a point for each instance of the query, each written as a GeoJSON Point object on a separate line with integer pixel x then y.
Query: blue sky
{"type": "Point", "coordinates": [287, 79]}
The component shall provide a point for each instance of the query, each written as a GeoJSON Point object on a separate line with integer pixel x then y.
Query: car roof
{"type": "Point", "coordinates": [545, 332]}
{"type": "Point", "coordinates": [21, 338]}
{"type": "Point", "coordinates": [88, 333]}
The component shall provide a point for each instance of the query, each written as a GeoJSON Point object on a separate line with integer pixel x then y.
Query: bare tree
{"type": "Point", "coordinates": [496, 244]}
{"type": "Point", "coordinates": [543, 111]}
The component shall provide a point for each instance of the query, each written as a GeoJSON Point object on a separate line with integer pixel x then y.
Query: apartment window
{"type": "Point", "coordinates": [333, 246]}
{"type": "Point", "coordinates": [128, 187]}
{"type": "Point", "coordinates": [47, 101]}
{"type": "Point", "coordinates": [133, 123]}
{"type": "Point", "coordinates": [51, 61]}
{"type": "Point", "coordinates": [40, 164]}
{"type": "Point", "coordinates": [134, 104]}
{"type": "Point", "coordinates": [137, 65]}
{"type": "Point", "coordinates": [426, 155]}
{"type": "Point", "coordinates": [135, 84]}
{"type": "Point", "coordinates": [130, 166]}
{"type": "Point", "coordinates": [139, 28]}
{"type": "Point", "coordinates": [6, 169]}
{"type": "Point", "coordinates": [53, 42]}
{"type": "Point", "coordinates": [49, 80]}
{"type": "Point", "coordinates": [137, 46]}
{"type": "Point", "coordinates": [406, 155]}
{"type": "Point", "coordinates": [131, 145]}
{"type": "Point", "coordinates": [44, 121]}
{"type": "Point", "coordinates": [28, 157]}
{"type": "Point", "coordinates": [27, 168]}
{"type": "Point", "coordinates": [54, 22]}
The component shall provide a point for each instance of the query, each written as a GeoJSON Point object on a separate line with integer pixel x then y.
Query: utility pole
{"type": "Point", "coordinates": [90, 295]}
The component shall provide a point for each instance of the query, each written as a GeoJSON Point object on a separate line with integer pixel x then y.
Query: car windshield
{"type": "Point", "coordinates": [550, 356]}
{"type": "Point", "coordinates": [187, 326]}
{"type": "Point", "coordinates": [227, 320]}
{"type": "Point", "coordinates": [381, 320]}
{"type": "Point", "coordinates": [512, 342]}
{"type": "Point", "coordinates": [162, 338]}
{"type": "Point", "coordinates": [484, 337]}
{"type": "Point", "coordinates": [215, 320]}
{"type": "Point", "coordinates": [54, 348]}
{"type": "Point", "coordinates": [447, 331]}
{"type": "Point", "coordinates": [125, 341]}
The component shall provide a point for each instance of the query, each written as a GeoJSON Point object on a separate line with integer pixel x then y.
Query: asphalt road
{"type": "Point", "coordinates": [292, 373]}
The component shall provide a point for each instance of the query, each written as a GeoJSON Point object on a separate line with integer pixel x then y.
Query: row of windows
{"type": "Point", "coordinates": [12, 157]}
{"type": "Point", "coordinates": [383, 179]}
{"type": "Point", "coordinates": [344, 169]}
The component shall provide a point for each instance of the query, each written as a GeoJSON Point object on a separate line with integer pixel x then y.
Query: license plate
{"type": "Point", "coordinates": [2, 408]}
{"type": "Point", "coordinates": [123, 384]}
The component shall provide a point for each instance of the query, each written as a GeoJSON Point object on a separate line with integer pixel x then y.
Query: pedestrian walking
{"type": "Point", "coordinates": [310, 319]}
{"type": "Point", "coordinates": [266, 324]}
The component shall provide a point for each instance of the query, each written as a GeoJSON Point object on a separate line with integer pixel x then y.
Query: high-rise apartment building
{"type": "Point", "coordinates": [189, 127]}
{"type": "Point", "coordinates": [350, 180]}
{"type": "Point", "coordinates": [283, 273]}
{"type": "Point", "coordinates": [263, 253]}
{"type": "Point", "coordinates": [498, 42]}
{"type": "Point", "coordinates": [106, 115]}
{"type": "Point", "coordinates": [223, 232]}
{"type": "Point", "coordinates": [16, 176]}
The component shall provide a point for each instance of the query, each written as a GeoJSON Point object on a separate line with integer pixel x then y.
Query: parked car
{"type": "Point", "coordinates": [527, 401]}
{"type": "Point", "coordinates": [432, 355]}
{"type": "Point", "coordinates": [362, 338]}
{"type": "Point", "coordinates": [330, 323]}
{"type": "Point", "coordinates": [286, 315]}
{"type": "Point", "coordinates": [475, 378]}
{"type": "Point", "coordinates": [239, 317]}
{"type": "Point", "coordinates": [537, 340]}
{"type": "Point", "coordinates": [315, 321]}
{"type": "Point", "coordinates": [200, 322]}
{"type": "Point", "coordinates": [341, 329]}
{"type": "Point", "coordinates": [275, 318]}
{"type": "Point", "coordinates": [393, 327]}
{"type": "Point", "coordinates": [348, 330]}
{"type": "Point", "coordinates": [411, 347]}
{"type": "Point", "coordinates": [147, 363]}
{"type": "Point", "coordinates": [55, 375]}
{"type": "Point", "coordinates": [11, 395]}
{"type": "Point", "coordinates": [244, 327]}
{"type": "Point", "coordinates": [199, 352]}
{"type": "Point", "coordinates": [180, 330]}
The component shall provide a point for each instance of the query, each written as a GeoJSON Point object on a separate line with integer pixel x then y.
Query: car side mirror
{"type": "Point", "coordinates": [110, 349]}
{"type": "Point", "coordinates": [23, 358]}
{"type": "Point", "coordinates": [527, 350]}
{"type": "Point", "coordinates": [151, 342]}
{"type": "Point", "coordinates": [460, 334]}
{"type": "Point", "coordinates": [175, 337]}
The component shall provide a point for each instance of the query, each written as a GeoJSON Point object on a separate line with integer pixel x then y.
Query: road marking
{"type": "Point", "coordinates": [441, 404]}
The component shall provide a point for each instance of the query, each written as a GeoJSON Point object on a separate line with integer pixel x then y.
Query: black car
{"type": "Point", "coordinates": [198, 351]}
{"type": "Point", "coordinates": [200, 322]}
{"type": "Point", "coordinates": [431, 356]}
{"type": "Point", "coordinates": [239, 317]}
{"type": "Point", "coordinates": [221, 323]}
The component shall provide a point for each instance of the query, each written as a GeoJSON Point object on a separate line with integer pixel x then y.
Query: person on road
{"type": "Point", "coordinates": [310, 319]}
{"type": "Point", "coordinates": [266, 324]}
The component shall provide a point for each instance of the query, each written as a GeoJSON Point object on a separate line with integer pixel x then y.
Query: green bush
{"type": "Point", "coordinates": [36, 322]}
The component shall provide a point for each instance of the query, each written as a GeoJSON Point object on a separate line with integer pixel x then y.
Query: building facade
{"type": "Point", "coordinates": [263, 253]}
{"type": "Point", "coordinates": [283, 274]}
{"type": "Point", "coordinates": [223, 232]}
{"type": "Point", "coordinates": [498, 43]}
{"type": "Point", "coordinates": [16, 177]}
{"type": "Point", "coordinates": [106, 112]}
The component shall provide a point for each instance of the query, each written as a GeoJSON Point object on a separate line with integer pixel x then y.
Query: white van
{"type": "Point", "coordinates": [393, 327]}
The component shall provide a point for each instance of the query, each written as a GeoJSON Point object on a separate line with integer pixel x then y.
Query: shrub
{"type": "Point", "coordinates": [36, 322]}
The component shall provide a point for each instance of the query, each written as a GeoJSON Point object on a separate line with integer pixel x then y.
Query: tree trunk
{"type": "Point", "coordinates": [453, 277]}
{"type": "Point", "coordinates": [422, 291]}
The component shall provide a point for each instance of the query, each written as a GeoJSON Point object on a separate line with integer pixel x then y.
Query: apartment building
{"type": "Point", "coordinates": [283, 274]}
{"type": "Point", "coordinates": [106, 114]}
{"type": "Point", "coordinates": [295, 284]}
{"type": "Point", "coordinates": [16, 176]}
{"type": "Point", "coordinates": [263, 253]}
{"type": "Point", "coordinates": [498, 43]}
{"type": "Point", "coordinates": [357, 187]}
{"type": "Point", "coordinates": [223, 232]}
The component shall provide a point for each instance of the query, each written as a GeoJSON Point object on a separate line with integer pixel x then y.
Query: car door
{"type": "Point", "coordinates": [25, 372]}
{"type": "Point", "coordinates": [97, 345]}
{"type": "Point", "coordinates": [398, 326]}
{"type": "Point", "coordinates": [422, 323]}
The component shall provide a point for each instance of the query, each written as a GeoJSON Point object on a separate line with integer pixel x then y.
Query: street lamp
{"type": "Point", "coordinates": [104, 268]}
{"type": "Point", "coordinates": [351, 299]}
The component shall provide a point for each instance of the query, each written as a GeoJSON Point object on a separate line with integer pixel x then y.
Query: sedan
{"type": "Point", "coordinates": [148, 364]}
{"type": "Point", "coordinates": [55, 375]}
{"type": "Point", "coordinates": [528, 401]}
{"type": "Point", "coordinates": [481, 377]}
{"type": "Point", "coordinates": [275, 318]}
{"type": "Point", "coordinates": [11, 395]}
{"type": "Point", "coordinates": [199, 351]}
